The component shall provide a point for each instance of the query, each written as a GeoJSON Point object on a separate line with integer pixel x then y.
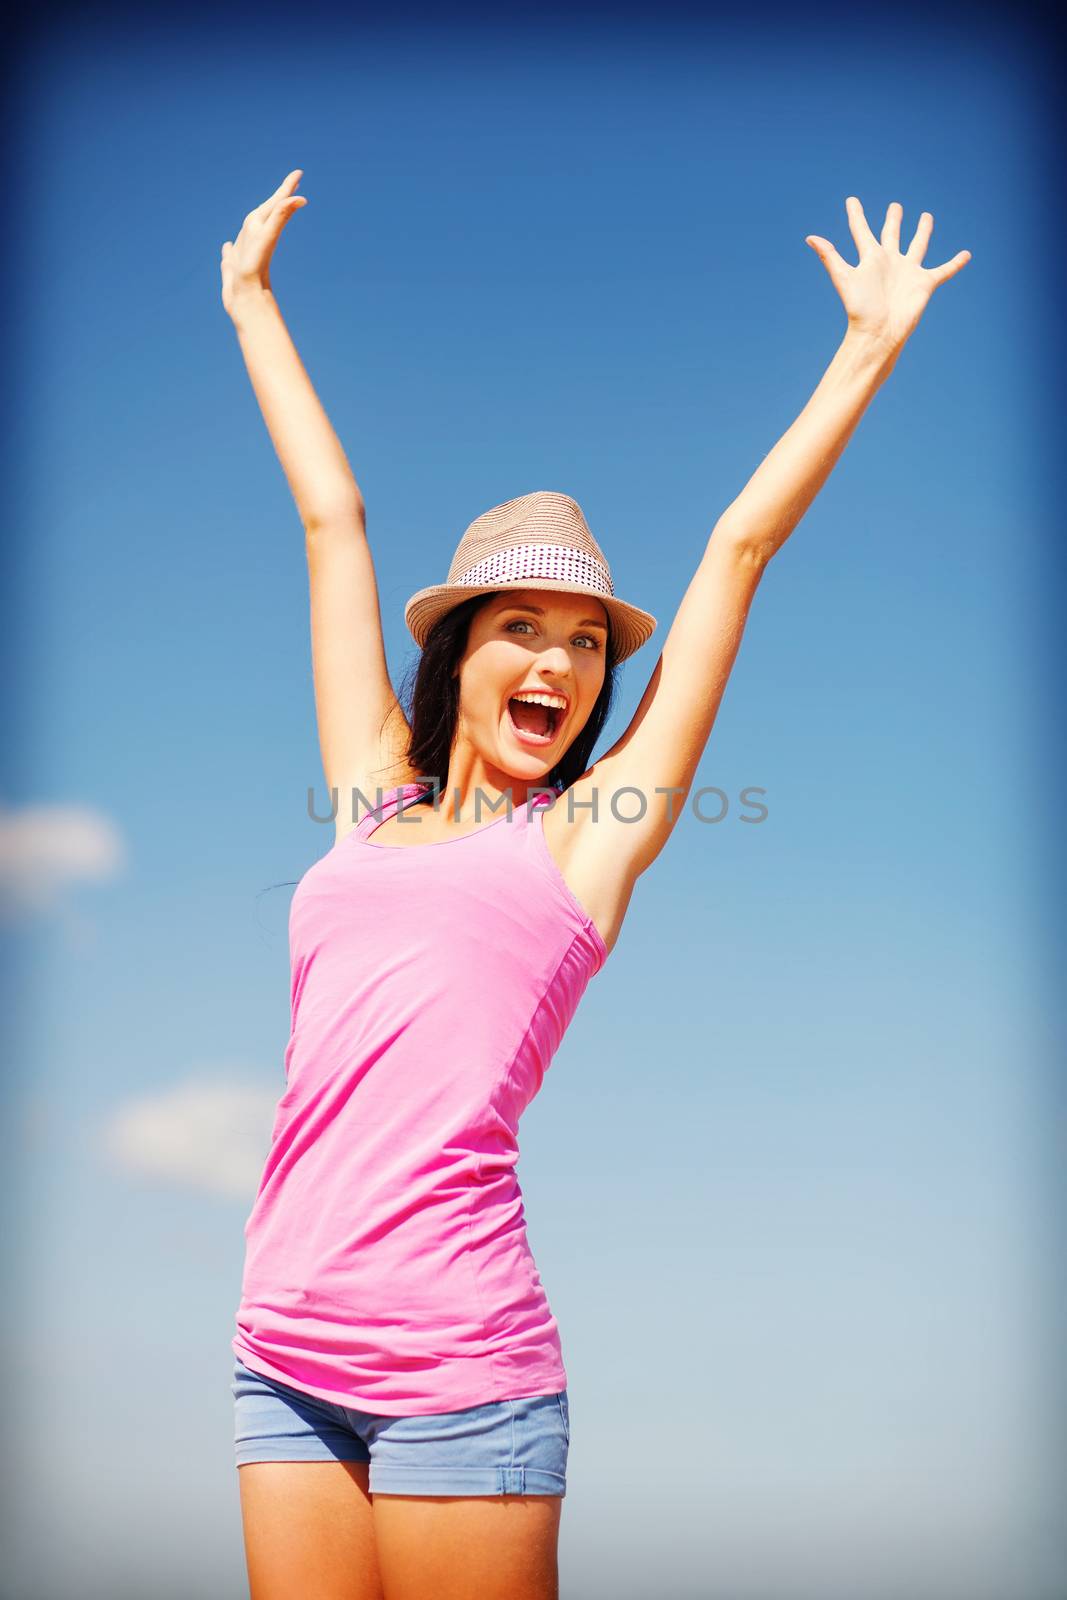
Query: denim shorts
{"type": "Point", "coordinates": [505, 1447]}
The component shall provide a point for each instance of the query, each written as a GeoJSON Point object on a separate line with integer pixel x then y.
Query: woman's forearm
{"type": "Point", "coordinates": [322, 482]}
{"type": "Point", "coordinates": [788, 479]}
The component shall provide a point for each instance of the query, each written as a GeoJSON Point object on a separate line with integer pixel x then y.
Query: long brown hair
{"type": "Point", "coordinates": [430, 695]}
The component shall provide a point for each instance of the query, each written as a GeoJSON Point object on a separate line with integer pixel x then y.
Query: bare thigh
{"type": "Point", "coordinates": [468, 1547]}
{"type": "Point", "coordinates": [309, 1530]}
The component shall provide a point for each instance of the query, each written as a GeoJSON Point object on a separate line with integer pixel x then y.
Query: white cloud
{"type": "Point", "coordinates": [204, 1133]}
{"type": "Point", "coordinates": [46, 848]}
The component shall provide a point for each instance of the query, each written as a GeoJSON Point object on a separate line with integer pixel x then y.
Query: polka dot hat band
{"type": "Point", "coordinates": [539, 541]}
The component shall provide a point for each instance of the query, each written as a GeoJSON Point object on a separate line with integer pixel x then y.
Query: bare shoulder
{"type": "Point", "coordinates": [361, 791]}
{"type": "Point", "coordinates": [600, 877]}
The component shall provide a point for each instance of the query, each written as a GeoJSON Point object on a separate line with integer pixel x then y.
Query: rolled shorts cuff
{"type": "Point", "coordinates": [388, 1479]}
{"type": "Point", "coordinates": [247, 1454]}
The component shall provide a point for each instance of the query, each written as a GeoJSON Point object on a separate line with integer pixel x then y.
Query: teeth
{"type": "Point", "coordinates": [542, 699]}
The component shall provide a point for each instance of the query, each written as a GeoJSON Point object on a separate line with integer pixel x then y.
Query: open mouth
{"type": "Point", "coordinates": [533, 724]}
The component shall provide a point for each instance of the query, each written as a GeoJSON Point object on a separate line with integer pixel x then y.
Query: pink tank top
{"type": "Point", "coordinates": [387, 1266]}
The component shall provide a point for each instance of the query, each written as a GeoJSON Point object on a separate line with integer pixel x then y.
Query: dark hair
{"type": "Point", "coordinates": [430, 695]}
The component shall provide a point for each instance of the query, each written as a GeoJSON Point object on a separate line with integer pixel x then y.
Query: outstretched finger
{"type": "Point", "coordinates": [285, 208]}
{"type": "Point", "coordinates": [862, 236]}
{"type": "Point", "coordinates": [834, 264]}
{"type": "Point", "coordinates": [950, 268]}
{"type": "Point", "coordinates": [917, 248]}
{"type": "Point", "coordinates": [891, 226]}
{"type": "Point", "coordinates": [284, 189]}
{"type": "Point", "coordinates": [859, 228]}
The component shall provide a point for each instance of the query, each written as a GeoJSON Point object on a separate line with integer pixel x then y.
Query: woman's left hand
{"type": "Point", "coordinates": [886, 293]}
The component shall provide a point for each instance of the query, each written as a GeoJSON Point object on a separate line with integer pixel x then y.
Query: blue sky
{"type": "Point", "coordinates": [784, 1180]}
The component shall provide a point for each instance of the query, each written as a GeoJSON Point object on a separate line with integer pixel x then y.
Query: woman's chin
{"type": "Point", "coordinates": [526, 764]}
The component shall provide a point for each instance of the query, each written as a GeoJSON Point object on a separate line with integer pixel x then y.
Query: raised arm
{"type": "Point", "coordinates": [362, 729]}
{"type": "Point", "coordinates": [884, 297]}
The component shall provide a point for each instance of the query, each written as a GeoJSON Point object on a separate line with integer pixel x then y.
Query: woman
{"type": "Point", "coordinates": [401, 1401]}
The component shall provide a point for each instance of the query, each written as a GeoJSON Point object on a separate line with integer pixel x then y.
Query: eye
{"type": "Point", "coordinates": [523, 622]}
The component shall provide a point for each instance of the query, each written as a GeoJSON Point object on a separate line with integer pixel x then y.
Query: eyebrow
{"type": "Point", "coordinates": [586, 622]}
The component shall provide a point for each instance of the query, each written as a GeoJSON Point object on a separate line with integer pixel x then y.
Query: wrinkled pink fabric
{"type": "Point", "coordinates": [387, 1266]}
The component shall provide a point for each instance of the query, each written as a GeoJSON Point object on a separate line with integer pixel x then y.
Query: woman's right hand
{"type": "Point", "coordinates": [246, 259]}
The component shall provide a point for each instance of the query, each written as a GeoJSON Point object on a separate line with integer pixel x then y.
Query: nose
{"type": "Point", "coordinates": [555, 659]}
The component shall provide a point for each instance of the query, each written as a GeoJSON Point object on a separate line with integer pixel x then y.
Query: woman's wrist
{"type": "Point", "coordinates": [871, 349]}
{"type": "Point", "coordinates": [249, 302]}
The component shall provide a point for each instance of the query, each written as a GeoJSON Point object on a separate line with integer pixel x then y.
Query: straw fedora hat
{"type": "Point", "coordinates": [538, 541]}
